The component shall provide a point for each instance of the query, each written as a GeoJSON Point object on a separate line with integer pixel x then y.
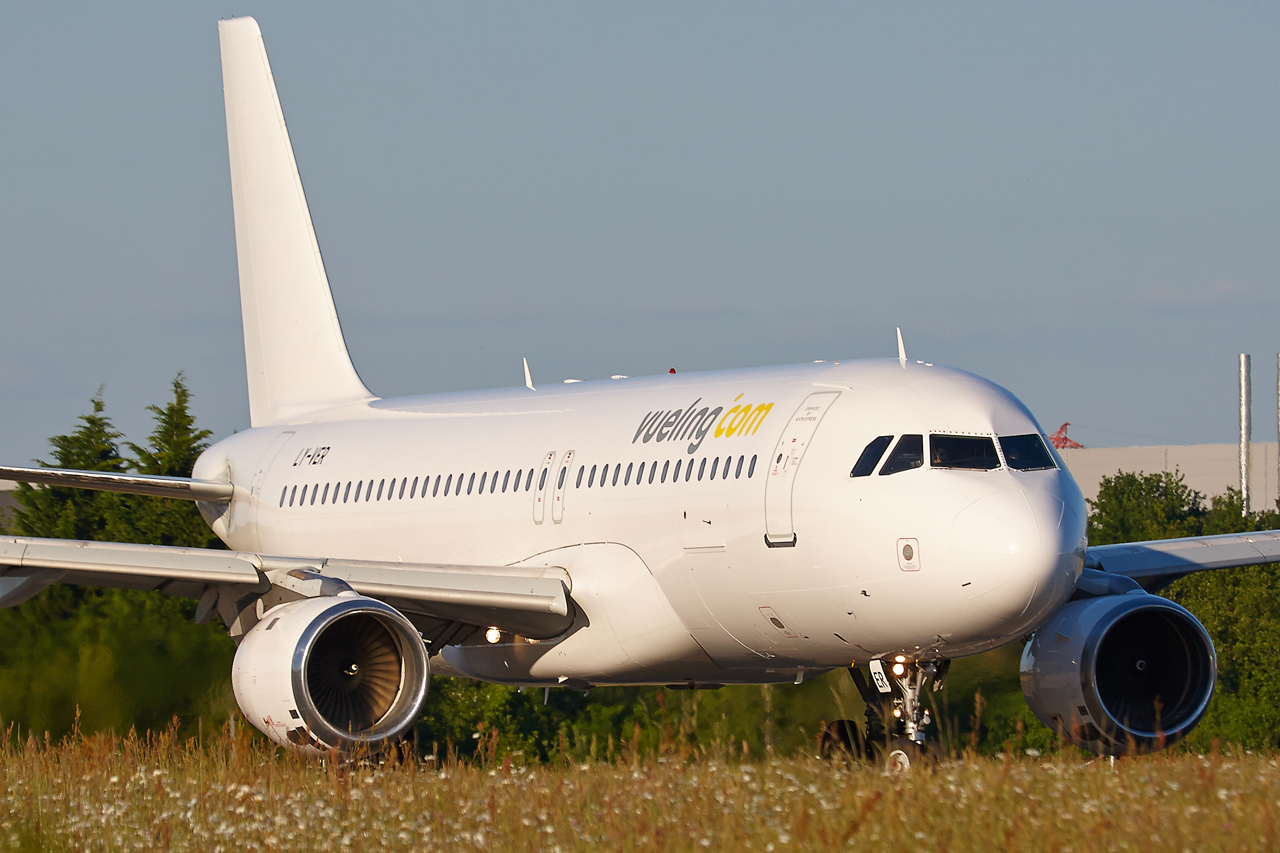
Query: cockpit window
{"type": "Point", "coordinates": [907, 455]}
{"type": "Point", "coordinates": [971, 452]}
{"type": "Point", "coordinates": [1026, 452]}
{"type": "Point", "coordinates": [870, 456]}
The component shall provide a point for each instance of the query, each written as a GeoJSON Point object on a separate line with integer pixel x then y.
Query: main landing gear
{"type": "Point", "coordinates": [896, 720]}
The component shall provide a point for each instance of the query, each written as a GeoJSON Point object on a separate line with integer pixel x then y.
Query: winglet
{"type": "Point", "coordinates": [296, 357]}
{"type": "Point", "coordinates": [528, 380]}
{"type": "Point", "coordinates": [902, 350]}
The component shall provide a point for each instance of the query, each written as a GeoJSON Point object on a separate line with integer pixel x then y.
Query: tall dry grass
{"type": "Point", "coordinates": [233, 792]}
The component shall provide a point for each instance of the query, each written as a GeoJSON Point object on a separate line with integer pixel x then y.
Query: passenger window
{"type": "Point", "coordinates": [458, 489]}
{"type": "Point", "coordinates": [688, 471]}
{"type": "Point", "coordinates": [346, 492]}
{"type": "Point", "coordinates": [381, 483]}
{"type": "Point", "coordinates": [1026, 452]}
{"type": "Point", "coordinates": [506, 479]}
{"type": "Point", "coordinates": [702, 467]}
{"type": "Point", "coordinates": [676, 475]}
{"type": "Point", "coordinates": [325, 496]}
{"type": "Point", "coordinates": [435, 490]}
{"type": "Point", "coordinates": [604, 475]}
{"type": "Point", "coordinates": [591, 478]}
{"type": "Point", "coordinates": [302, 500]}
{"type": "Point", "coordinates": [493, 484]}
{"type": "Point", "coordinates": [368, 491]}
{"type": "Point", "coordinates": [908, 454]}
{"type": "Point", "coordinates": [871, 456]}
{"type": "Point", "coordinates": [560, 479]}
{"type": "Point", "coordinates": [640, 474]}
{"type": "Point", "coordinates": [528, 480]}
{"type": "Point", "coordinates": [542, 480]}
{"type": "Point", "coordinates": [751, 471]}
{"type": "Point", "coordinates": [448, 484]}
{"type": "Point", "coordinates": [582, 469]}
{"type": "Point", "coordinates": [359, 488]}
{"type": "Point", "coordinates": [471, 482]}
{"type": "Point", "coordinates": [653, 470]}
{"type": "Point", "coordinates": [737, 474]}
{"type": "Point", "coordinates": [617, 470]}
{"type": "Point", "coordinates": [315, 490]}
{"type": "Point", "coordinates": [728, 460]}
{"type": "Point", "coordinates": [413, 490]}
{"type": "Point", "coordinates": [484, 475]}
{"type": "Point", "coordinates": [969, 452]}
{"type": "Point", "coordinates": [293, 495]}
{"type": "Point", "coordinates": [403, 482]}
{"type": "Point", "coordinates": [715, 465]}
{"type": "Point", "coordinates": [283, 492]}
{"type": "Point", "coordinates": [626, 481]}
{"type": "Point", "coordinates": [665, 466]}
{"type": "Point", "coordinates": [391, 492]}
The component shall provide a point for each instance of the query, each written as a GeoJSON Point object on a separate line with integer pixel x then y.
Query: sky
{"type": "Point", "coordinates": [1077, 201]}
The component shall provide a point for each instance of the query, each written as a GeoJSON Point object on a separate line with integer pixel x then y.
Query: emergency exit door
{"type": "Point", "coordinates": [785, 462]}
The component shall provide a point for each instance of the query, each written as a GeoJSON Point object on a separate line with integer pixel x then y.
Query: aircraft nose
{"type": "Point", "coordinates": [1015, 553]}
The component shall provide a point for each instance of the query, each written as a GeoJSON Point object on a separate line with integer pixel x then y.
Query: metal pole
{"type": "Point", "coordinates": [1245, 431]}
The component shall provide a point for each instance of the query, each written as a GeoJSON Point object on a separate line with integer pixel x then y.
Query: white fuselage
{"type": "Point", "coordinates": [786, 564]}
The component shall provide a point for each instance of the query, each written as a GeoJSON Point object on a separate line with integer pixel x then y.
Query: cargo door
{"type": "Point", "coordinates": [785, 462]}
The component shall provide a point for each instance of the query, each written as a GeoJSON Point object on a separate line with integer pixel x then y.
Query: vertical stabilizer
{"type": "Point", "coordinates": [297, 360]}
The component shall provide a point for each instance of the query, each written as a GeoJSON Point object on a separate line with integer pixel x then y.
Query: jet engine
{"type": "Point", "coordinates": [1120, 673]}
{"type": "Point", "coordinates": [341, 671]}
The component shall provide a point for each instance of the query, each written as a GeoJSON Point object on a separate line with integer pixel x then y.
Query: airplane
{"type": "Point", "coordinates": [884, 516]}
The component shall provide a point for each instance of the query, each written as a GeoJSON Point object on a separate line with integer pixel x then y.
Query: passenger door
{"type": "Point", "coordinates": [785, 462]}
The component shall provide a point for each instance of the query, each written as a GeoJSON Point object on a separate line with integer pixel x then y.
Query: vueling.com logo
{"type": "Point", "coordinates": [694, 423]}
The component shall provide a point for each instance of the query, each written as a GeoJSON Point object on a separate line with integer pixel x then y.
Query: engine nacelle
{"type": "Point", "coordinates": [1120, 673]}
{"type": "Point", "coordinates": [340, 671]}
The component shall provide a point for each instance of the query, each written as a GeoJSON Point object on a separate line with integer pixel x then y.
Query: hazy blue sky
{"type": "Point", "coordinates": [1079, 201]}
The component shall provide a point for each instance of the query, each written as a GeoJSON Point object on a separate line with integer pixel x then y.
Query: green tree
{"type": "Point", "coordinates": [61, 513]}
{"type": "Point", "coordinates": [1240, 608]}
{"type": "Point", "coordinates": [124, 658]}
{"type": "Point", "coordinates": [174, 446]}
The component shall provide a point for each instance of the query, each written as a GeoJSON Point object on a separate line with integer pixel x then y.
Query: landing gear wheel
{"type": "Point", "coordinates": [842, 739]}
{"type": "Point", "coordinates": [900, 755]}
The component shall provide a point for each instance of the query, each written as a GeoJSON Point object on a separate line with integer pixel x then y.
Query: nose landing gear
{"type": "Point", "coordinates": [896, 719]}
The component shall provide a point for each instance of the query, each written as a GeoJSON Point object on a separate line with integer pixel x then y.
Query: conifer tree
{"type": "Point", "coordinates": [61, 513]}
{"type": "Point", "coordinates": [173, 448]}
{"type": "Point", "coordinates": [124, 658]}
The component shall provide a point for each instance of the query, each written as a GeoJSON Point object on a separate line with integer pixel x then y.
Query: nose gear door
{"type": "Point", "coordinates": [779, 529]}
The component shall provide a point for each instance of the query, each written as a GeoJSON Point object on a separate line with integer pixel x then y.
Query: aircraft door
{"type": "Point", "coordinates": [265, 462]}
{"type": "Point", "coordinates": [260, 474]}
{"type": "Point", "coordinates": [778, 525]}
{"type": "Point", "coordinates": [562, 483]}
{"type": "Point", "coordinates": [540, 487]}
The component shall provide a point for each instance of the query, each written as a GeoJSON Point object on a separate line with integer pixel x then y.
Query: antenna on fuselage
{"type": "Point", "coordinates": [528, 380]}
{"type": "Point", "coordinates": [902, 352]}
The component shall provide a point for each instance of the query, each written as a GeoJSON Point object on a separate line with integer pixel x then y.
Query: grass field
{"type": "Point", "coordinates": [107, 793]}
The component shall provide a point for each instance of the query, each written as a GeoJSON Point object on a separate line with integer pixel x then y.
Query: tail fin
{"type": "Point", "coordinates": [297, 360]}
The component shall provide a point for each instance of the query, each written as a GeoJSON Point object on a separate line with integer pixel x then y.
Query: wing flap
{"type": "Point", "coordinates": [184, 488]}
{"type": "Point", "coordinates": [71, 555]}
{"type": "Point", "coordinates": [1163, 559]}
{"type": "Point", "coordinates": [531, 601]}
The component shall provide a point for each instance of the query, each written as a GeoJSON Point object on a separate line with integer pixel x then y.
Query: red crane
{"type": "Point", "coordinates": [1060, 439]}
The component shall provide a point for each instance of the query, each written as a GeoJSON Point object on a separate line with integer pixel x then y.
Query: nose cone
{"type": "Point", "coordinates": [1017, 554]}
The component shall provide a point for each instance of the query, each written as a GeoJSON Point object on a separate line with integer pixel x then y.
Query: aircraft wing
{"type": "Point", "coordinates": [1159, 562]}
{"type": "Point", "coordinates": [448, 601]}
{"type": "Point", "coordinates": [184, 488]}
